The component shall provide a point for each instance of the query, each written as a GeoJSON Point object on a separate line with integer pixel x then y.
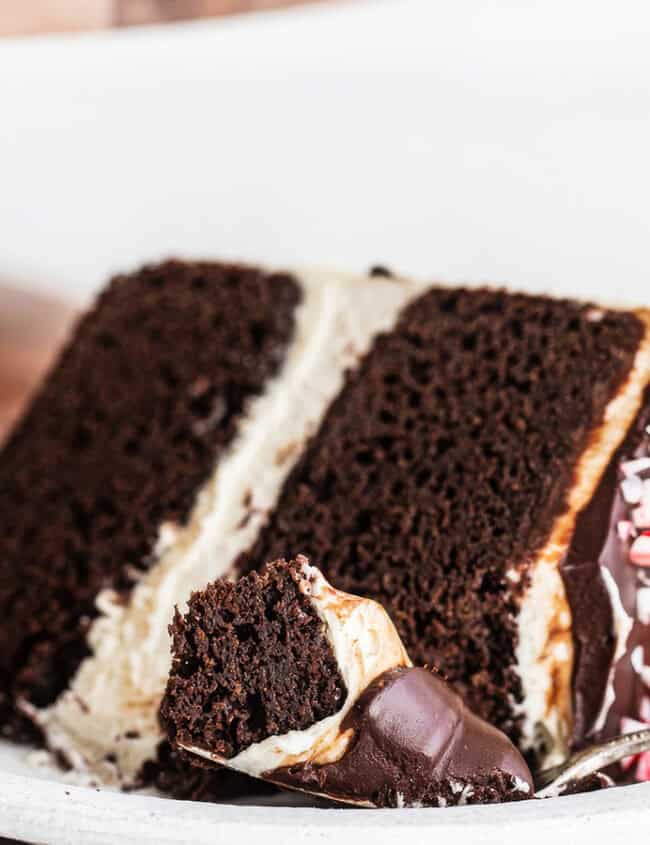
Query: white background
{"type": "Point", "coordinates": [477, 139]}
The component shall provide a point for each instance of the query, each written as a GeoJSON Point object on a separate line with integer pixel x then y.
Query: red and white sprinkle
{"type": "Point", "coordinates": [632, 489]}
{"type": "Point", "coordinates": [641, 761]}
{"type": "Point", "coordinates": [644, 710]}
{"type": "Point", "coordinates": [642, 773]}
{"type": "Point", "coordinates": [635, 467]}
{"type": "Point", "coordinates": [637, 659]}
{"type": "Point", "coordinates": [643, 605]}
{"type": "Point", "coordinates": [625, 530]}
{"type": "Point", "coordinates": [641, 515]}
{"type": "Point", "coordinates": [643, 768]}
{"type": "Point", "coordinates": [595, 315]}
{"type": "Point", "coordinates": [629, 726]}
{"type": "Point", "coordinates": [640, 550]}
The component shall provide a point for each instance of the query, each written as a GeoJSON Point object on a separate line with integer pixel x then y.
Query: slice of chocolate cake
{"type": "Point", "coordinates": [445, 452]}
{"type": "Point", "coordinates": [145, 465]}
{"type": "Point", "coordinates": [284, 678]}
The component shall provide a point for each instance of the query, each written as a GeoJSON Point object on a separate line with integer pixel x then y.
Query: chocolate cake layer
{"type": "Point", "coordinates": [251, 659]}
{"type": "Point", "coordinates": [438, 473]}
{"type": "Point", "coordinates": [125, 429]}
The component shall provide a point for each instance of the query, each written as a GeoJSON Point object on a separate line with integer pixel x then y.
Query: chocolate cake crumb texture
{"type": "Point", "coordinates": [441, 466]}
{"type": "Point", "coordinates": [250, 660]}
{"type": "Point", "coordinates": [122, 434]}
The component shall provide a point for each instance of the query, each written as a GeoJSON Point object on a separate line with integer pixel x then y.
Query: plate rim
{"type": "Point", "coordinates": [33, 808]}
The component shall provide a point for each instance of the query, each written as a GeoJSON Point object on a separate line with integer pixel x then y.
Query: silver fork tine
{"type": "Point", "coordinates": [549, 783]}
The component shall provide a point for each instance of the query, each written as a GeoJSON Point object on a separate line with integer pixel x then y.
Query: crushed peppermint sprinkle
{"type": "Point", "coordinates": [465, 795]}
{"type": "Point", "coordinates": [635, 467]}
{"type": "Point", "coordinates": [625, 530]}
{"type": "Point", "coordinates": [462, 790]}
{"type": "Point", "coordinates": [595, 315]}
{"type": "Point", "coordinates": [632, 489]}
{"type": "Point", "coordinates": [643, 768]}
{"type": "Point", "coordinates": [643, 605]}
{"type": "Point", "coordinates": [641, 515]}
{"type": "Point", "coordinates": [629, 726]}
{"type": "Point", "coordinates": [636, 491]}
{"type": "Point", "coordinates": [401, 804]}
{"type": "Point", "coordinates": [637, 659]}
{"type": "Point", "coordinates": [640, 550]}
{"type": "Point", "coordinates": [521, 785]}
{"type": "Point", "coordinates": [644, 709]}
{"type": "Point", "coordinates": [640, 761]}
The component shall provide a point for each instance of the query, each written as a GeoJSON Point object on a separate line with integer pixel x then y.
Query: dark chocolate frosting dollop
{"type": "Point", "coordinates": [416, 744]}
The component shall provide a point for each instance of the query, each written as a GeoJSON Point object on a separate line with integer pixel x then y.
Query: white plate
{"type": "Point", "coordinates": [58, 813]}
{"type": "Point", "coordinates": [468, 140]}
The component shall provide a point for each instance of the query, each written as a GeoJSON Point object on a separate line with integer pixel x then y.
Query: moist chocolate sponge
{"type": "Point", "coordinates": [120, 437]}
{"type": "Point", "coordinates": [442, 465]}
{"type": "Point", "coordinates": [250, 660]}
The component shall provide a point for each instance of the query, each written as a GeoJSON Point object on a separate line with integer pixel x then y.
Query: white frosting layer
{"type": "Point", "coordinates": [545, 648]}
{"type": "Point", "coordinates": [365, 645]}
{"type": "Point", "coordinates": [643, 605]}
{"type": "Point", "coordinates": [544, 661]}
{"type": "Point", "coordinates": [111, 706]}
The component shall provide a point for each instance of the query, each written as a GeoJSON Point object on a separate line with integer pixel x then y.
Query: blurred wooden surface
{"type": "Point", "coordinates": [142, 11]}
{"type": "Point", "coordinates": [31, 330]}
{"type": "Point", "coordinates": [25, 17]}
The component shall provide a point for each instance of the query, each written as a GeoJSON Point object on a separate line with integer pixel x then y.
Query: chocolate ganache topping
{"type": "Point", "coordinates": [415, 744]}
{"type": "Point", "coordinates": [610, 544]}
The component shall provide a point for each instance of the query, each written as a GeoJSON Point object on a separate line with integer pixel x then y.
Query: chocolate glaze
{"type": "Point", "coordinates": [415, 743]}
{"type": "Point", "coordinates": [596, 544]}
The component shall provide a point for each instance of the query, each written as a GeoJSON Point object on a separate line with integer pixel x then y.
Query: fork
{"type": "Point", "coordinates": [551, 782]}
